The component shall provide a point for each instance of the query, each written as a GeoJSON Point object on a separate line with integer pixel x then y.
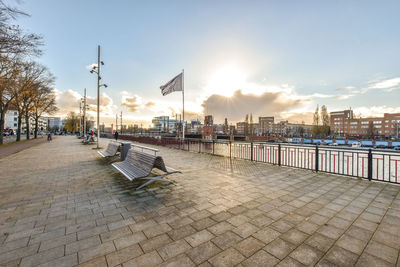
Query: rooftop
{"type": "Point", "coordinates": [61, 205]}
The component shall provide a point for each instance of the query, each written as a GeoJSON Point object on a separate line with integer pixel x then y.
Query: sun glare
{"type": "Point", "coordinates": [226, 81]}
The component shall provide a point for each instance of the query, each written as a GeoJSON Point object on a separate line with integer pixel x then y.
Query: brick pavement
{"type": "Point", "coordinates": [62, 206]}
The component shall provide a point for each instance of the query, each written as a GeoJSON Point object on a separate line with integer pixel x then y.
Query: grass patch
{"type": "Point", "coordinates": [17, 142]}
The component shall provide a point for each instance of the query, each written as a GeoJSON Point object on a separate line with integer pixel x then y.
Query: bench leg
{"type": "Point", "coordinates": [153, 179]}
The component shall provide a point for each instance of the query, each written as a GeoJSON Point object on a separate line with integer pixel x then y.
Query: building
{"type": "Point", "coordinates": [163, 124]}
{"type": "Point", "coordinates": [11, 120]}
{"type": "Point", "coordinates": [242, 128]}
{"type": "Point", "coordinates": [208, 129]}
{"type": "Point", "coordinates": [265, 125]}
{"type": "Point", "coordinates": [343, 123]}
{"type": "Point", "coordinates": [195, 127]}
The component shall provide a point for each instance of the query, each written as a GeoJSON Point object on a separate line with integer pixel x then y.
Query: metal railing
{"type": "Point", "coordinates": [372, 164]}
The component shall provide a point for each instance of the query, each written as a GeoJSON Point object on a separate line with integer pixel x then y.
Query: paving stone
{"type": "Point", "coordinates": [19, 243]}
{"type": "Point", "coordinates": [129, 240]}
{"type": "Point", "coordinates": [203, 223]}
{"type": "Point", "coordinates": [367, 260]}
{"type": "Point", "coordinates": [359, 233]}
{"type": "Point", "coordinates": [220, 228]}
{"type": "Point", "coordinates": [200, 237]}
{"type": "Point", "coordinates": [320, 242]}
{"type": "Point", "coordinates": [173, 249]}
{"type": "Point", "coordinates": [245, 230]}
{"type": "Point", "coordinates": [182, 232]}
{"type": "Point", "coordinates": [96, 262]}
{"type": "Point", "coordinates": [261, 221]}
{"type": "Point", "coordinates": [16, 254]}
{"type": "Point", "coordinates": [279, 248]}
{"type": "Point", "coordinates": [382, 251]}
{"type": "Point", "coordinates": [149, 260]}
{"type": "Point", "coordinates": [294, 236]}
{"type": "Point", "coordinates": [66, 261]}
{"type": "Point", "coordinates": [114, 234]}
{"type": "Point", "coordinates": [306, 254]}
{"type": "Point", "coordinates": [226, 240]}
{"type": "Point", "coordinates": [74, 247]}
{"type": "Point", "coordinates": [341, 257]}
{"type": "Point", "coordinates": [261, 258]}
{"type": "Point", "coordinates": [266, 235]}
{"type": "Point", "coordinates": [55, 242]}
{"type": "Point", "coordinates": [94, 252]}
{"type": "Point", "coordinates": [181, 260]}
{"type": "Point", "coordinates": [203, 252]}
{"type": "Point", "coordinates": [92, 232]}
{"type": "Point", "coordinates": [155, 242]}
{"type": "Point", "coordinates": [228, 257]}
{"type": "Point", "coordinates": [289, 262]}
{"type": "Point", "coordinates": [238, 220]}
{"type": "Point", "coordinates": [330, 231]}
{"type": "Point", "coordinates": [123, 255]}
{"type": "Point", "coordinates": [351, 244]}
{"type": "Point", "coordinates": [249, 246]}
{"type": "Point", "coordinates": [43, 257]}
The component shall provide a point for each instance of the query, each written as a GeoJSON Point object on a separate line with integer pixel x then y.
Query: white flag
{"type": "Point", "coordinates": [173, 85]}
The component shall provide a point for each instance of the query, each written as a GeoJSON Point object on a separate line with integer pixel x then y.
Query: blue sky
{"type": "Point", "coordinates": [287, 56]}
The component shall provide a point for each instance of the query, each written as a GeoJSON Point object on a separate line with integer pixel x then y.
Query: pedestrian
{"type": "Point", "coordinates": [116, 135]}
{"type": "Point", "coordinates": [49, 136]}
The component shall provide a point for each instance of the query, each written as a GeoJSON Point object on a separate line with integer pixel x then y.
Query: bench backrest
{"type": "Point", "coordinates": [142, 163]}
{"type": "Point", "coordinates": [112, 148]}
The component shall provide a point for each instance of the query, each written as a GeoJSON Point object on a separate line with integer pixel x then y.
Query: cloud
{"type": "Point", "coordinates": [387, 85]}
{"type": "Point", "coordinates": [344, 97]}
{"type": "Point", "coordinates": [297, 117]}
{"type": "Point", "coordinates": [91, 66]}
{"type": "Point", "coordinates": [69, 100]}
{"type": "Point", "coordinates": [106, 104]}
{"type": "Point", "coordinates": [375, 111]}
{"type": "Point", "coordinates": [131, 102]}
{"type": "Point", "coordinates": [346, 88]}
{"type": "Point", "coordinates": [236, 107]}
{"type": "Point", "coordinates": [150, 104]}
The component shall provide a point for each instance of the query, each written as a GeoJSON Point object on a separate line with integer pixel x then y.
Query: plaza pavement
{"type": "Point", "coordinates": [60, 205]}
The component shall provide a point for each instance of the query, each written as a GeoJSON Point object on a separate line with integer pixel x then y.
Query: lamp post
{"type": "Point", "coordinates": [93, 70]}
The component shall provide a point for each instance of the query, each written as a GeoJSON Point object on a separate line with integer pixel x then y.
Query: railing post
{"type": "Point", "coordinates": [188, 145]}
{"type": "Point", "coordinates": [279, 154]}
{"type": "Point", "coordinates": [200, 145]}
{"type": "Point", "coordinates": [316, 158]}
{"type": "Point", "coordinates": [251, 151]}
{"type": "Point", "coordinates": [213, 147]}
{"type": "Point", "coordinates": [370, 164]}
{"type": "Point", "coordinates": [230, 149]}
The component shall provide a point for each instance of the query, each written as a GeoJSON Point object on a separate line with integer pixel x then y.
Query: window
{"type": "Point", "coordinates": [364, 127]}
{"type": "Point", "coordinates": [365, 122]}
{"type": "Point", "coordinates": [15, 113]}
{"type": "Point", "coordinates": [378, 126]}
{"type": "Point", "coordinates": [354, 122]}
{"type": "Point", "coordinates": [377, 122]}
{"type": "Point", "coordinates": [15, 125]}
{"type": "Point", "coordinates": [15, 119]}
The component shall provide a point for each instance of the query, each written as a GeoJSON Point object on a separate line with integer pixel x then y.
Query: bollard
{"type": "Point", "coordinates": [279, 154]}
{"type": "Point", "coordinates": [369, 164]}
{"type": "Point", "coordinates": [125, 146]}
{"type": "Point", "coordinates": [316, 158]}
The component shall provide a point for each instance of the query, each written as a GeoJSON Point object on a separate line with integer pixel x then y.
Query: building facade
{"type": "Point", "coordinates": [343, 123]}
{"type": "Point", "coordinates": [265, 125]}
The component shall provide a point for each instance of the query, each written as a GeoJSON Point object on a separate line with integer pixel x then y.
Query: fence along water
{"type": "Point", "coordinates": [372, 164]}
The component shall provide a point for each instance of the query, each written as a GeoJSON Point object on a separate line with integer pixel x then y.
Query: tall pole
{"type": "Point", "coordinates": [183, 104]}
{"type": "Point", "coordinates": [80, 118]}
{"type": "Point", "coordinates": [84, 113]}
{"type": "Point", "coordinates": [98, 95]}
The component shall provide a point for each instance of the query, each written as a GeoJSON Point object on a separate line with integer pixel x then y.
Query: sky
{"type": "Point", "coordinates": [268, 58]}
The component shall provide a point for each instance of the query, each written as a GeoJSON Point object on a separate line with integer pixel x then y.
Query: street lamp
{"type": "Point", "coordinates": [93, 70]}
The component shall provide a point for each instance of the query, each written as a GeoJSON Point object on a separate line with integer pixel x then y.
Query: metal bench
{"type": "Point", "coordinates": [110, 151]}
{"type": "Point", "coordinates": [139, 165]}
{"type": "Point", "coordinates": [88, 140]}
{"type": "Point", "coordinates": [154, 150]}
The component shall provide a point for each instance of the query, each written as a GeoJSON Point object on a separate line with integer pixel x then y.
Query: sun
{"type": "Point", "coordinates": [225, 81]}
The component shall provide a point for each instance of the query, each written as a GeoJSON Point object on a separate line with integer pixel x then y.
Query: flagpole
{"type": "Point", "coordinates": [183, 103]}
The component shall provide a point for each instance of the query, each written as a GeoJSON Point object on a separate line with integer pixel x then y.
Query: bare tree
{"type": "Point", "coordinates": [44, 102]}
{"type": "Point", "coordinates": [15, 45]}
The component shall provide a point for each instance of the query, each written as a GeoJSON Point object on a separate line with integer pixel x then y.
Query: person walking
{"type": "Point", "coordinates": [116, 135]}
{"type": "Point", "coordinates": [49, 136]}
